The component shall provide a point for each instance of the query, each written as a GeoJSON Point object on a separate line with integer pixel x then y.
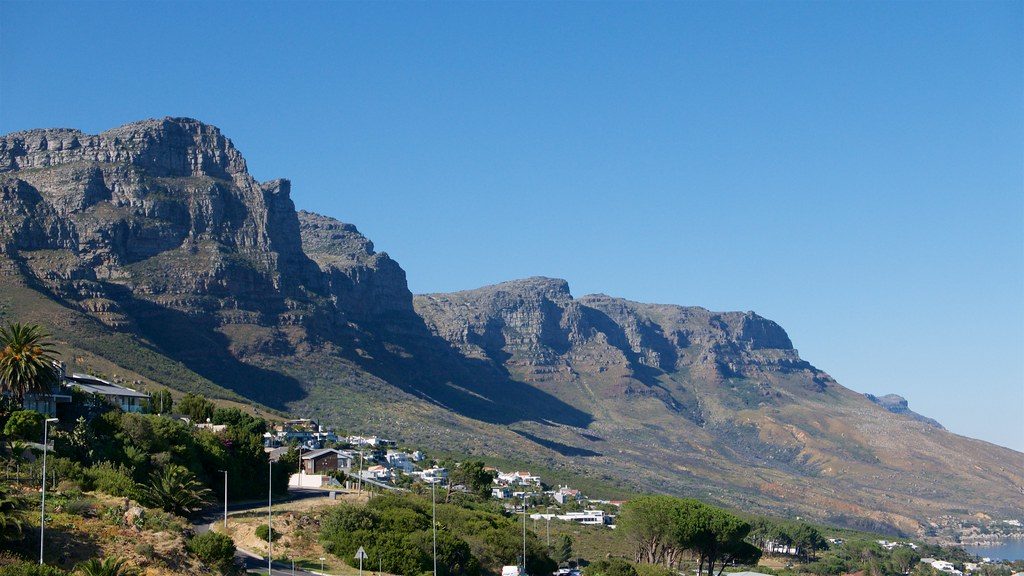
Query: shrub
{"type": "Point", "coordinates": [24, 425]}
{"type": "Point", "coordinates": [160, 521]}
{"type": "Point", "coordinates": [25, 568]}
{"type": "Point", "coordinates": [105, 567]}
{"type": "Point", "coordinates": [110, 479]}
{"type": "Point", "coordinates": [263, 531]}
{"type": "Point", "coordinates": [213, 549]}
{"type": "Point", "coordinates": [80, 507]}
{"type": "Point", "coordinates": [145, 550]}
{"type": "Point", "coordinates": [611, 567]}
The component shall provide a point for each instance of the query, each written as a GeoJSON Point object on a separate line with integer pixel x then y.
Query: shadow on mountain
{"type": "Point", "coordinates": [563, 449]}
{"type": "Point", "coordinates": [207, 352]}
{"type": "Point", "coordinates": [432, 369]}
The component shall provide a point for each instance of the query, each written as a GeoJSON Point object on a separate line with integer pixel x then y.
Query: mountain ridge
{"type": "Point", "coordinates": [156, 232]}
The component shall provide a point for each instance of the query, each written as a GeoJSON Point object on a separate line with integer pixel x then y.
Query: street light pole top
{"type": "Point", "coordinates": [53, 419]}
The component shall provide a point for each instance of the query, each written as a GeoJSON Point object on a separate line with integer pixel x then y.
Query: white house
{"type": "Point", "coordinates": [517, 478]}
{"type": "Point", "coordinates": [588, 517]}
{"type": "Point", "coordinates": [400, 461]}
{"type": "Point", "coordinates": [564, 495]}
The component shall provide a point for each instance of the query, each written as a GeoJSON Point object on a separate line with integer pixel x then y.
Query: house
{"type": "Point", "coordinates": [377, 472]}
{"type": "Point", "coordinates": [46, 402]}
{"type": "Point", "coordinates": [215, 428]}
{"type": "Point", "coordinates": [433, 475]}
{"type": "Point", "coordinates": [517, 478]}
{"type": "Point", "coordinates": [588, 517]}
{"type": "Point", "coordinates": [371, 441]}
{"type": "Point", "coordinates": [400, 461]}
{"type": "Point", "coordinates": [322, 461]}
{"type": "Point", "coordinates": [501, 493]}
{"type": "Point", "coordinates": [565, 495]}
{"type": "Point", "coordinates": [126, 399]}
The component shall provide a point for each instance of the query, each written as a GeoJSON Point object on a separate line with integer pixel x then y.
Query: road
{"type": "Point", "coordinates": [250, 560]}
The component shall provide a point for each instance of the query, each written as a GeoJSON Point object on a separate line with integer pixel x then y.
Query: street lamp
{"type": "Point", "coordinates": [433, 518]}
{"type": "Point", "coordinates": [270, 529]}
{"type": "Point", "coordinates": [225, 499]}
{"type": "Point", "coordinates": [42, 506]}
{"type": "Point", "coordinates": [524, 532]}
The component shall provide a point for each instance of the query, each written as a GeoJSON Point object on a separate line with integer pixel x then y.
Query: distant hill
{"type": "Point", "coordinates": [152, 254]}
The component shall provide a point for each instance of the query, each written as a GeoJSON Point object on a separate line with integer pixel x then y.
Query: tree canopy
{"type": "Point", "coordinates": [662, 528]}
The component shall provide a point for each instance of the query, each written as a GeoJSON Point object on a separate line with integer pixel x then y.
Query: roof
{"type": "Point", "coordinates": [94, 385]}
{"type": "Point", "coordinates": [318, 453]}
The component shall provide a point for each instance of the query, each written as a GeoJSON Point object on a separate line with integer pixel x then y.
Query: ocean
{"type": "Point", "coordinates": [1009, 550]}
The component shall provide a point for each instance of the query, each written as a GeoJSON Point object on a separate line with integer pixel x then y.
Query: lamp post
{"type": "Point", "coordinates": [270, 529]}
{"type": "Point", "coordinates": [433, 518]}
{"type": "Point", "coordinates": [225, 499]}
{"type": "Point", "coordinates": [524, 533]}
{"type": "Point", "coordinates": [42, 506]}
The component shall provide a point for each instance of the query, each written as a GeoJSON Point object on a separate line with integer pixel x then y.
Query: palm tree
{"type": "Point", "coordinates": [26, 360]}
{"type": "Point", "coordinates": [174, 489]}
{"type": "Point", "coordinates": [105, 567]}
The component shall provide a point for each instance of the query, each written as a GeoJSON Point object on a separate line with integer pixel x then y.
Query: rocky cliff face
{"type": "Point", "coordinates": [157, 227]}
{"type": "Point", "coordinates": [155, 238]}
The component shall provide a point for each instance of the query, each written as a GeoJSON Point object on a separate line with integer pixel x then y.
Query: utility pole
{"type": "Point", "coordinates": [42, 506]}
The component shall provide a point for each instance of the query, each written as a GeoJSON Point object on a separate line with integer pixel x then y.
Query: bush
{"type": "Point", "coordinates": [25, 568]}
{"type": "Point", "coordinates": [145, 550]}
{"type": "Point", "coordinates": [213, 549]}
{"type": "Point", "coordinates": [24, 425]}
{"type": "Point", "coordinates": [611, 567]}
{"type": "Point", "coordinates": [263, 531]}
{"type": "Point", "coordinates": [159, 521]}
{"type": "Point", "coordinates": [110, 479]}
{"type": "Point", "coordinates": [80, 507]}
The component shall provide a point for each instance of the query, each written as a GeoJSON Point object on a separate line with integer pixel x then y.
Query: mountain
{"type": "Point", "coordinates": [156, 258]}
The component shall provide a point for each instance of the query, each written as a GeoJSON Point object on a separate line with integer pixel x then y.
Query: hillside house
{"type": "Point", "coordinates": [126, 399]}
{"type": "Point", "coordinates": [323, 461]}
{"type": "Point", "coordinates": [565, 495]}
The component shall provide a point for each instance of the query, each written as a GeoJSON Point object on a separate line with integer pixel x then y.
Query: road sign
{"type": "Point", "coordinates": [361, 555]}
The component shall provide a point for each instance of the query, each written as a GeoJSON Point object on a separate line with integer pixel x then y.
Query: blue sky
{"type": "Point", "coordinates": [850, 170]}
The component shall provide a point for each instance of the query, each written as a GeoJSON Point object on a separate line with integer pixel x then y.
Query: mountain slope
{"type": "Point", "coordinates": [151, 248]}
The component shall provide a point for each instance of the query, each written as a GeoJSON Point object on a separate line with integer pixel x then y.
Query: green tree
{"type": "Point", "coordinates": [241, 420]}
{"type": "Point", "coordinates": [174, 489]}
{"type": "Point", "coordinates": [27, 360]}
{"type": "Point", "coordinates": [647, 521]}
{"type": "Point", "coordinates": [903, 559]}
{"type": "Point", "coordinates": [24, 425]}
{"type": "Point", "coordinates": [160, 402]}
{"type": "Point", "coordinates": [472, 475]}
{"type": "Point", "coordinates": [106, 567]}
{"type": "Point", "coordinates": [196, 407]}
{"type": "Point", "coordinates": [563, 549]}
{"type": "Point", "coordinates": [213, 549]}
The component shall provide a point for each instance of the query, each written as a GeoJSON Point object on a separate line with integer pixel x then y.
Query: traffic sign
{"type": "Point", "coordinates": [361, 554]}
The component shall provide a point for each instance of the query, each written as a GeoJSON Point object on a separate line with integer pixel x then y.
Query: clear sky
{"type": "Point", "coordinates": [850, 170]}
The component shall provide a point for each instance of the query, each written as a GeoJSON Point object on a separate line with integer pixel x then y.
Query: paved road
{"type": "Point", "coordinates": [250, 560]}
